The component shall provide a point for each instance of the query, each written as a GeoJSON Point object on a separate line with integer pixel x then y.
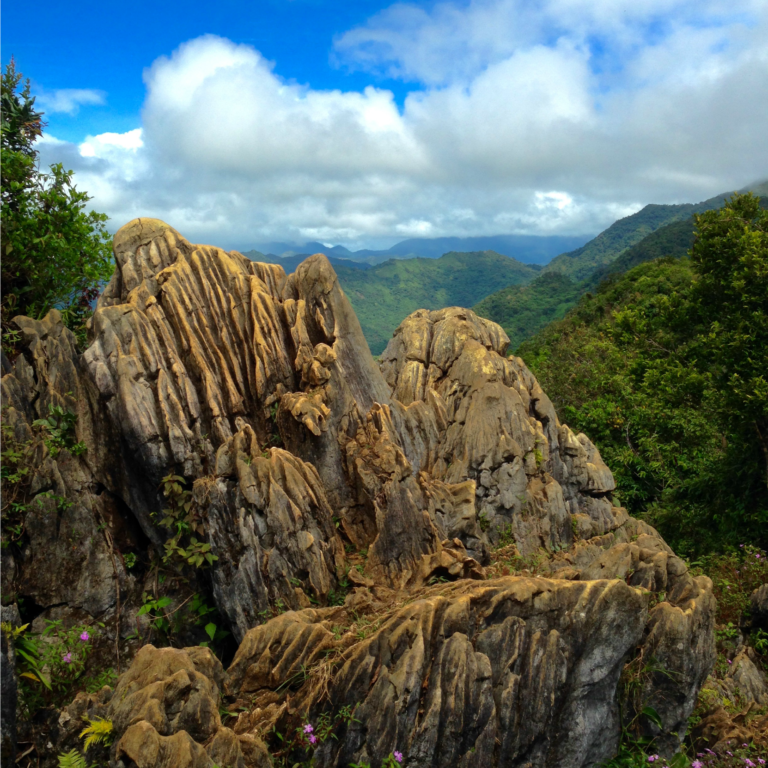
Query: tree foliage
{"type": "Point", "coordinates": [665, 369]}
{"type": "Point", "coordinates": [730, 257]}
{"type": "Point", "coordinates": [54, 252]}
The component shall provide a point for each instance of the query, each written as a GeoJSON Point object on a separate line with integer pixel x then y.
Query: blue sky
{"type": "Point", "coordinates": [366, 122]}
{"type": "Point", "coordinates": [101, 46]}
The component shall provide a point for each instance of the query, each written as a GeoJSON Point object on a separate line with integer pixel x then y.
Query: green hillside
{"type": "Point", "coordinates": [620, 236]}
{"type": "Point", "coordinates": [673, 240]}
{"type": "Point", "coordinates": [522, 310]}
{"type": "Point", "coordinates": [525, 310]}
{"type": "Point", "coordinates": [384, 295]}
{"type": "Point", "coordinates": [625, 233]}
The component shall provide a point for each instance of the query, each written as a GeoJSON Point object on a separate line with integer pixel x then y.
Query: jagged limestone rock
{"type": "Point", "coordinates": [63, 562]}
{"type": "Point", "coordinates": [258, 387]}
{"type": "Point", "coordinates": [530, 664]}
{"type": "Point", "coordinates": [165, 713]}
{"type": "Point", "coordinates": [501, 431]}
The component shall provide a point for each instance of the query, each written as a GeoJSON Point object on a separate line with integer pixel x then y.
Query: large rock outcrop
{"type": "Point", "coordinates": [312, 471]}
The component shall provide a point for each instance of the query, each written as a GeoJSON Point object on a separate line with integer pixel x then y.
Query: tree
{"type": "Point", "coordinates": [54, 252]}
{"type": "Point", "coordinates": [730, 256]}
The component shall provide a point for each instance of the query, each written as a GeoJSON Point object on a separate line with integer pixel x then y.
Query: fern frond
{"type": "Point", "coordinates": [72, 759]}
{"type": "Point", "coordinates": [98, 731]}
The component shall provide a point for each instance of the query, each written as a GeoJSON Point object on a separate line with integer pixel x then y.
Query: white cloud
{"type": "Point", "coordinates": [521, 124]}
{"type": "Point", "coordinates": [68, 100]}
{"type": "Point", "coordinates": [95, 146]}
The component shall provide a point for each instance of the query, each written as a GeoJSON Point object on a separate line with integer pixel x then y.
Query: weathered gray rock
{"type": "Point", "coordinates": [68, 559]}
{"type": "Point", "coordinates": [165, 713]}
{"type": "Point", "coordinates": [512, 672]}
{"type": "Point", "coordinates": [532, 475]}
{"type": "Point", "coordinates": [8, 696]}
{"type": "Point", "coordinates": [759, 607]}
{"type": "Point", "coordinates": [271, 526]}
{"type": "Point", "coordinates": [306, 460]}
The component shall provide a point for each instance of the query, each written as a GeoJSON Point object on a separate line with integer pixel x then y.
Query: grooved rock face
{"type": "Point", "coordinates": [521, 668]}
{"type": "Point", "coordinates": [321, 478]}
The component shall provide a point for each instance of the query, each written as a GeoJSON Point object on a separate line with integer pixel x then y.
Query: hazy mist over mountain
{"type": "Point", "coordinates": [530, 249]}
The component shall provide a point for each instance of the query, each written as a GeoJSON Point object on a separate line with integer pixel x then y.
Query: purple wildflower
{"type": "Point", "coordinates": [312, 738]}
{"type": "Point", "coordinates": [67, 657]}
{"type": "Point", "coordinates": [85, 637]}
{"type": "Point", "coordinates": [398, 756]}
{"type": "Point", "coordinates": [653, 758]}
{"type": "Point", "coordinates": [696, 764]}
{"type": "Point", "coordinates": [308, 728]}
{"type": "Point", "coordinates": [749, 763]}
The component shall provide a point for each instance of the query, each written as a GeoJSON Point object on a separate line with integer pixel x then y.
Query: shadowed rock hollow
{"type": "Point", "coordinates": [305, 458]}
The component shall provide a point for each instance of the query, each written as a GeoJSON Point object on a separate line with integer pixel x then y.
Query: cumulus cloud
{"type": "Point", "coordinates": [557, 117]}
{"type": "Point", "coordinates": [68, 100]}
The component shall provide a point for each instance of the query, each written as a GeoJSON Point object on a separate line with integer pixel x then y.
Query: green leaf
{"type": "Point", "coordinates": [653, 716]}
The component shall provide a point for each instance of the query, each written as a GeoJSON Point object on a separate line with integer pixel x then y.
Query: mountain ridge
{"type": "Point", "coordinates": [528, 249]}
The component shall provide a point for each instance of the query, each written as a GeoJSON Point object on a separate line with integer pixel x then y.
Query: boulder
{"type": "Point", "coordinates": [165, 712]}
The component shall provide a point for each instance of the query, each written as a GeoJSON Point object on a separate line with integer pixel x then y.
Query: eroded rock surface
{"type": "Point", "coordinates": [8, 699]}
{"type": "Point", "coordinates": [321, 478]}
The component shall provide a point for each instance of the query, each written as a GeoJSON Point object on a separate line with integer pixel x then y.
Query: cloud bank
{"type": "Point", "coordinates": [556, 119]}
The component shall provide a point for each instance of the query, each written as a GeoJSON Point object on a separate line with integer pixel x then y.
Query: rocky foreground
{"type": "Point", "coordinates": [417, 552]}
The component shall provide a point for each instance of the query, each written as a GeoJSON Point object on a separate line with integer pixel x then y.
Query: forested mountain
{"type": "Point", "coordinates": [524, 310]}
{"type": "Point", "coordinates": [624, 233]}
{"type": "Point", "coordinates": [385, 294]}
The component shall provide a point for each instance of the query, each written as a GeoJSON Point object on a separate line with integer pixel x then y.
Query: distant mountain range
{"type": "Point", "coordinates": [506, 284]}
{"type": "Point", "coordinates": [529, 249]}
